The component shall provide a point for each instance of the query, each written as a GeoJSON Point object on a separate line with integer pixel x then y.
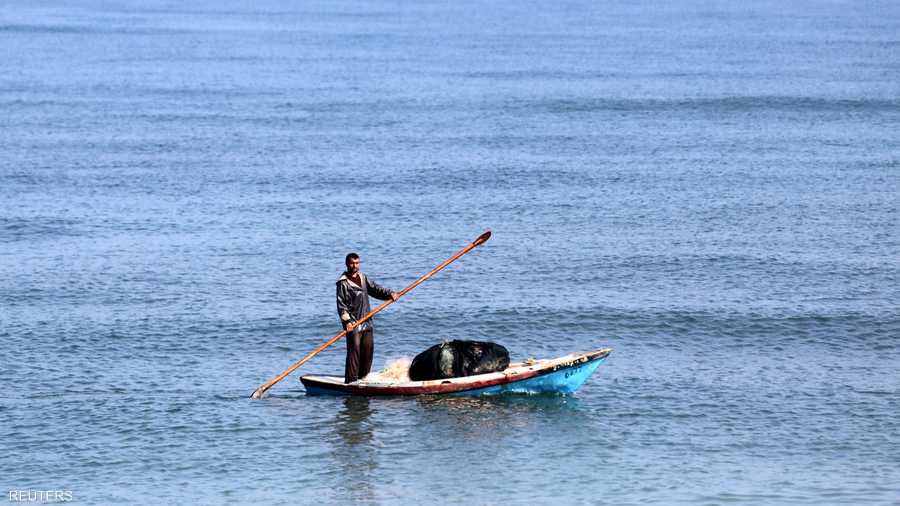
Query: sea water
{"type": "Point", "coordinates": [710, 189]}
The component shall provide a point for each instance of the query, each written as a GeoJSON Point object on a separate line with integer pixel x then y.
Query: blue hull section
{"type": "Point", "coordinates": [314, 390]}
{"type": "Point", "coordinates": [562, 381]}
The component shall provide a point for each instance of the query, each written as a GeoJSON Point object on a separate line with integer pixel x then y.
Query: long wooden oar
{"type": "Point", "coordinates": [477, 242]}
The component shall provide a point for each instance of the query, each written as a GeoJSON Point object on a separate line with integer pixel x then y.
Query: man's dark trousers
{"type": "Point", "coordinates": [360, 347]}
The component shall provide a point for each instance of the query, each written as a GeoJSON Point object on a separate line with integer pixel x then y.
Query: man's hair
{"type": "Point", "coordinates": [350, 256]}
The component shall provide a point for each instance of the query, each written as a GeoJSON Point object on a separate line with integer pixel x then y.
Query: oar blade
{"type": "Point", "coordinates": [483, 238]}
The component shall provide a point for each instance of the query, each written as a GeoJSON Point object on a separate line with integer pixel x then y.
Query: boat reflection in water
{"type": "Point", "coordinates": [354, 450]}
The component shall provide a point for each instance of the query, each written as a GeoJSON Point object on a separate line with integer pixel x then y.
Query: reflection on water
{"type": "Point", "coordinates": [354, 450]}
{"type": "Point", "coordinates": [474, 418]}
{"type": "Point", "coordinates": [352, 421]}
{"type": "Point", "coordinates": [493, 403]}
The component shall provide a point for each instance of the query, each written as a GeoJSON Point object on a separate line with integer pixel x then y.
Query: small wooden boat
{"type": "Point", "coordinates": [561, 375]}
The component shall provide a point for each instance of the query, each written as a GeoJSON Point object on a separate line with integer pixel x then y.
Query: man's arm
{"type": "Point", "coordinates": [378, 291]}
{"type": "Point", "coordinates": [342, 307]}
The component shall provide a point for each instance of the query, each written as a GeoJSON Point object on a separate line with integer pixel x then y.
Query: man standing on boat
{"type": "Point", "coordinates": [353, 290]}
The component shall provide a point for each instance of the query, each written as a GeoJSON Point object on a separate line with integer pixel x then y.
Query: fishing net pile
{"type": "Point", "coordinates": [454, 359]}
{"type": "Point", "coordinates": [396, 371]}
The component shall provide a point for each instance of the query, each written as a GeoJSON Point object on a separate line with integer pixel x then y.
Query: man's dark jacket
{"type": "Point", "coordinates": [353, 300]}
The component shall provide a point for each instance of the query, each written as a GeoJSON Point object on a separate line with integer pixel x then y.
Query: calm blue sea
{"type": "Point", "coordinates": [712, 189]}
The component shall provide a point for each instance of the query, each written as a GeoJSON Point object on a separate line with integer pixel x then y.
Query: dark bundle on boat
{"type": "Point", "coordinates": [452, 359]}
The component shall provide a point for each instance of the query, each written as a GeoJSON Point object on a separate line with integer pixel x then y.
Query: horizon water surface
{"type": "Point", "coordinates": [710, 189]}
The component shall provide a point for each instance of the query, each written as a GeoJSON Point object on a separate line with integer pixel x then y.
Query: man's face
{"type": "Point", "coordinates": [353, 265]}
